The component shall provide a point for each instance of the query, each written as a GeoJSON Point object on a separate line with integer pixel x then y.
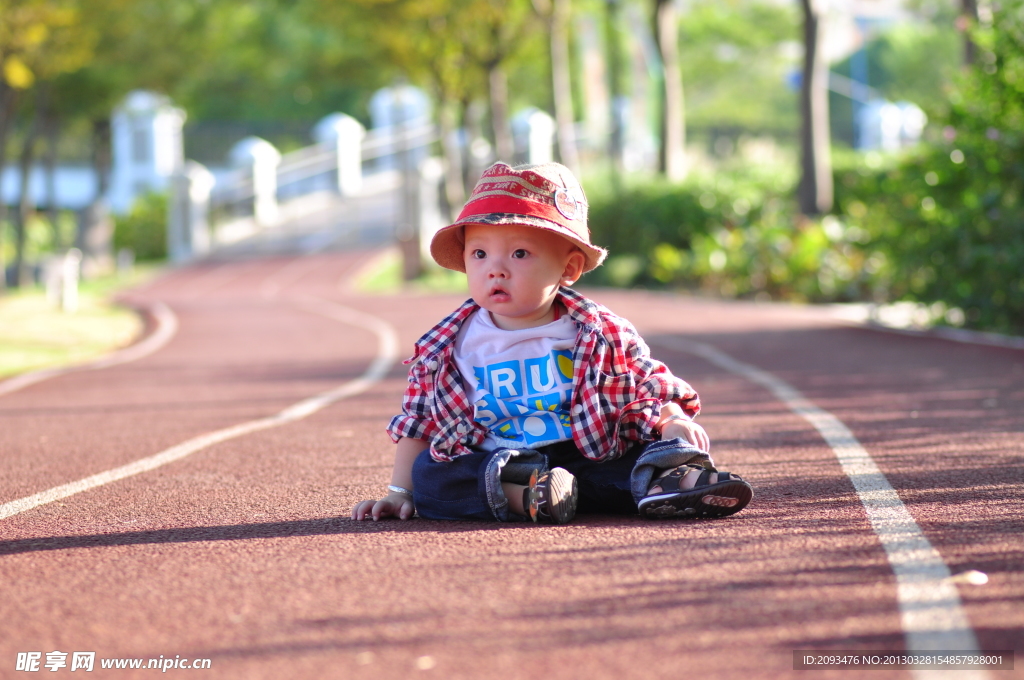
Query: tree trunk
{"type": "Point", "coordinates": [672, 156]}
{"type": "Point", "coordinates": [51, 131]}
{"type": "Point", "coordinates": [454, 187]}
{"type": "Point", "coordinates": [25, 205]}
{"type": "Point", "coordinates": [8, 99]}
{"type": "Point", "coordinates": [616, 140]}
{"type": "Point", "coordinates": [101, 155]}
{"type": "Point", "coordinates": [815, 190]}
{"type": "Point", "coordinates": [498, 87]}
{"type": "Point", "coordinates": [561, 81]}
{"type": "Point", "coordinates": [968, 20]}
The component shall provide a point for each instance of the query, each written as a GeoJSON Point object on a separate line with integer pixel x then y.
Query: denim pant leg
{"type": "Point", "coordinates": [617, 486]}
{"type": "Point", "coordinates": [660, 455]}
{"type": "Point", "coordinates": [468, 487]}
{"type": "Point", "coordinates": [603, 487]}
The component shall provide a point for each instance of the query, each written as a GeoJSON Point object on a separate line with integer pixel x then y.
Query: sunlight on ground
{"type": "Point", "coordinates": [36, 334]}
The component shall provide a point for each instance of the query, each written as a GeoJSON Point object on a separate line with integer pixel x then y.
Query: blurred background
{"type": "Point", "coordinates": [804, 150]}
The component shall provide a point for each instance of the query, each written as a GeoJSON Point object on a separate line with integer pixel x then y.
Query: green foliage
{"type": "Point", "coordinates": [144, 227]}
{"type": "Point", "coordinates": [950, 218]}
{"type": "Point", "coordinates": [733, 234]}
{"type": "Point", "coordinates": [41, 238]}
{"type": "Point", "coordinates": [735, 56]}
{"type": "Point", "coordinates": [942, 225]}
{"type": "Point", "coordinates": [273, 60]}
{"type": "Point", "coordinates": [729, 234]}
{"type": "Point", "coordinates": [913, 62]}
{"type": "Point", "coordinates": [42, 38]}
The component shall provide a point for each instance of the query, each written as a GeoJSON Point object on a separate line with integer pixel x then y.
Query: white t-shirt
{"type": "Point", "coordinates": [519, 381]}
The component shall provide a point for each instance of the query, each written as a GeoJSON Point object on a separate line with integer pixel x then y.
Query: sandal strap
{"type": "Point", "coordinates": [670, 483]}
{"type": "Point", "coordinates": [704, 479]}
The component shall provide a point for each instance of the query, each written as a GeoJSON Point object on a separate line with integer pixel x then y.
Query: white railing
{"type": "Point", "coordinates": [266, 188]}
{"type": "Point", "coordinates": [262, 178]}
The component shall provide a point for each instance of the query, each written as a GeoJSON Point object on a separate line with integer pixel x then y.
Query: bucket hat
{"type": "Point", "coordinates": [545, 196]}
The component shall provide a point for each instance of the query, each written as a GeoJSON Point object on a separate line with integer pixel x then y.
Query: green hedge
{"type": "Point", "coordinates": [144, 228]}
{"type": "Point", "coordinates": [734, 234]}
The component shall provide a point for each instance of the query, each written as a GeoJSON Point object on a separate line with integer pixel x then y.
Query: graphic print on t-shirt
{"type": "Point", "coordinates": [526, 402]}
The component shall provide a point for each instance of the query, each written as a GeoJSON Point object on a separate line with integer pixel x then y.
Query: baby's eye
{"type": "Point", "coordinates": [479, 254]}
{"type": "Point", "coordinates": [519, 254]}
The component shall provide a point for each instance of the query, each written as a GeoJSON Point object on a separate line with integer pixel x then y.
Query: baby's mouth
{"type": "Point", "coordinates": [499, 294]}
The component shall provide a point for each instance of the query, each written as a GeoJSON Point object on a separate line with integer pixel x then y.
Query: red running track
{"type": "Point", "coordinates": [242, 552]}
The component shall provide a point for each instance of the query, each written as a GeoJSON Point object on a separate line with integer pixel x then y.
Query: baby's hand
{"type": "Point", "coordinates": [393, 505]}
{"type": "Point", "coordinates": [688, 430]}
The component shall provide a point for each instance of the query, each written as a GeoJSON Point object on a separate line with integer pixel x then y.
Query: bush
{"type": "Point", "coordinates": [942, 225]}
{"type": "Point", "coordinates": [734, 233]}
{"type": "Point", "coordinates": [950, 218]}
{"type": "Point", "coordinates": [144, 227]}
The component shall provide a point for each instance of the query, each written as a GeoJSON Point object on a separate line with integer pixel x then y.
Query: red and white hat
{"type": "Point", "coordinates": [544, 196]}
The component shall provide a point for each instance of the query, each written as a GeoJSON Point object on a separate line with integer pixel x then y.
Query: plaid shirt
{"type": "Point", "coordinates": [617, 393]}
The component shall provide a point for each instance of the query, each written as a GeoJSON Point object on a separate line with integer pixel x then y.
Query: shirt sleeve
{"type": "Point", "coordinates": [655, 385]}
{"type": "Point", "coordinates": [415, 421]}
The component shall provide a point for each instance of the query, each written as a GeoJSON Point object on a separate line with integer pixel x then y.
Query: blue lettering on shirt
{"type": "Point", "coordinates": [504, 380]}
{"type": "Point", "coordinates": [527, 401]}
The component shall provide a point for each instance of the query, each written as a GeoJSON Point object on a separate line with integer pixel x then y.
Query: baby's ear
{"type": "Point", "coordinates": [574, 264]}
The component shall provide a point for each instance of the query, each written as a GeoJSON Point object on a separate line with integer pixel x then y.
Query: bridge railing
{"type": "Point", "coordinates": [265, 188]}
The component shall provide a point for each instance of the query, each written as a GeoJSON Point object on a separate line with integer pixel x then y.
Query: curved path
{"type": "Point", "coordinates": [240, 551]}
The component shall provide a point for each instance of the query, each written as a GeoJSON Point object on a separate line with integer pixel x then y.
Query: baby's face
{"type": "Point", "coordinates": [514, 272]}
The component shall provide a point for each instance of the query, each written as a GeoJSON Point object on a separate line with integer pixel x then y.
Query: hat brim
{"type": "Point", "coordinates": [448, 244]}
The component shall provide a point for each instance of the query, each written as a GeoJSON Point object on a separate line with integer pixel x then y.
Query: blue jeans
{"type": "Point", "coordinates": [469, 487]}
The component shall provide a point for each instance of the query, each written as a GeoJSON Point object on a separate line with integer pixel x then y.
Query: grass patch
{"type": "Point", "coordinates": [383, 276]}
{"type": "Point", "coordinates": [35, 334]}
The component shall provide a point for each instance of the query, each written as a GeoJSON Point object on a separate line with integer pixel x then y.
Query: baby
{"type": "Point", "coordinates": [531, 401]}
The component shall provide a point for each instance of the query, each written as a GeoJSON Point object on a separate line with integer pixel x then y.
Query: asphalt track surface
{"type": "Point", "coordinates": [242, 552]}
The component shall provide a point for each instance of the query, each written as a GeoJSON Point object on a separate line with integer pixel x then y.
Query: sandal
{"type": "Point", "coordinates": [551, 497]}
{"type": "Point", "coordinates": [727, 496]}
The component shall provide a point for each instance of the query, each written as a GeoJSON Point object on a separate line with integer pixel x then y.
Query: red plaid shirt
{"type": "Point", "coordinates": [617, 393]}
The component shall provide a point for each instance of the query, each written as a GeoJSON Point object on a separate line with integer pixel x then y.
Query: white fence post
{"type": "Point", "coordinates": [534, 131]}
{"type": "Point", "coordinates": [70, 273]}
{"type": "Point", "coordinates": [62, 273]}
{"type": "Point", "coordinates": [147, 146]}
{"type": "Point", "coordinates": [188, 219]}
{"type": "Point", "coordinates": [345, 134]}
{"type": "Point", "coordinates": [261, 159]}
{"type": "Point", "coordinates": [429, 218]}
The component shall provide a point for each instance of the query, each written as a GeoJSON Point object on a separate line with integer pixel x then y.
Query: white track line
{"type": "Point", "coordinates": [931, 613]}
{"type": "Point", "coordinates": [387, 353]}
{"type": "Point", "coordinates": [166, 327]}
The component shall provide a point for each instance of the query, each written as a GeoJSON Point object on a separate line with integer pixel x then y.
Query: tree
{"type": "Point", "coordinates": [968, 19]}
{"type": "Point", "coordinates": [556, 14]}
{"type": "Point", "coordinates": [814, 193]}
{"type": "Point", "coordinates": [672, 156]}
{"type": "Point", "coordinates": [39, 39]}
{"type": "Point", "coordinates": [735, 59]}
{"type": "Point", "coordinates": [616, 70]}
{"type": "Point", "coordinates": [453, 48]}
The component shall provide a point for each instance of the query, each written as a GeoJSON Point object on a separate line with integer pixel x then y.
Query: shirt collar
{"type": "Point", "coordinates": [444, 333]}
{"type": "Point", "coordinates": [581, 310]}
